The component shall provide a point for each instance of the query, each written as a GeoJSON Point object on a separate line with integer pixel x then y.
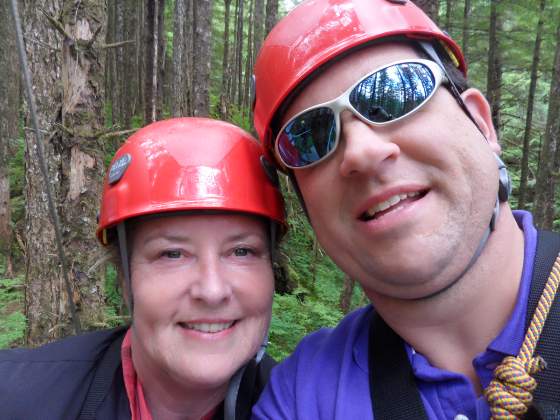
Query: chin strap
{"type": "Point", "coordinates": [125, 263]}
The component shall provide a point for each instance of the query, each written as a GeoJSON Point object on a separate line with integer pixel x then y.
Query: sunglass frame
{"type": "Point", "coordinates": [342, 102]}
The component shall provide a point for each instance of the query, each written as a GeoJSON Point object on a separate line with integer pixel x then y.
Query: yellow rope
{"type": "Point", "coordinates": [510, 393]}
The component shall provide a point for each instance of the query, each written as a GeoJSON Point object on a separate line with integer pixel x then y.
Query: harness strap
{"type": "Point", "coordinates": [102, 379]}
{"type": "Point", "coordinates": [547, 394]}
{"type": "Point", "coordinates": [393, 391]}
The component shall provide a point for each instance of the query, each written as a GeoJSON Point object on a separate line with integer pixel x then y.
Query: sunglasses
{"type": "Point", "coordinates": [381, 97]}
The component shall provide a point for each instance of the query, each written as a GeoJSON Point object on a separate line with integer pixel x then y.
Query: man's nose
{"type": "Point", "coordinates": [365, 148]}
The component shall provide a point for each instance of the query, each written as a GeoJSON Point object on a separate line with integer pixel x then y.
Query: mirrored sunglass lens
{"type": "Point", "coordinates": [307, 138]}
{"type": "Point", "coordinates": [393, 92]}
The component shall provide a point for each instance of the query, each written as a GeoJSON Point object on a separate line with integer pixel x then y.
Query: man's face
{"type": "Point", "coordinates": [403, 207]}
{"type": "Point", "coordinates": [202, 288]}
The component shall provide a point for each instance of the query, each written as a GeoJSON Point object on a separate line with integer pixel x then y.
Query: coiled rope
{"type": "Point", "coordinates": [510, 393]}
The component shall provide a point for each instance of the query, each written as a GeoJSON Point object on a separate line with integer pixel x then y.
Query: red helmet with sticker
{"type": "Point", "coordinates": [317, 31]}
{"type": "Point", "coordinates": [186, 164]}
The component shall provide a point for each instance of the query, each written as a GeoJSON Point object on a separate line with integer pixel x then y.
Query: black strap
{"type": "Point", "coordinates": [547, 394]}
{"type": "Point", "coordinates": [102, 379]}
{"type": "Point", "coordinates": [393, 391]}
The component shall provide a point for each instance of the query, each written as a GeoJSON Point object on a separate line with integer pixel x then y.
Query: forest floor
{"type": "Point", "coordinates": [12, 320]}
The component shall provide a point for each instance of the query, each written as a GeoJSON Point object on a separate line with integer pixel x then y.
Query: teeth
{"type": "Point", "coordinates": [390, 202]}
{"type": "Point", "coordinates": [208, 328]}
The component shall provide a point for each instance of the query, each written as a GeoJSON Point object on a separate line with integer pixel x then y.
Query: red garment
{"type": "Point", "coordinates": [138, 406]}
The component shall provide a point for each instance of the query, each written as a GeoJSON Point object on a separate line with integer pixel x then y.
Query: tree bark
{"type": "Point", "coordinates": [466, 28]}
{"type": "Point", "coordinates": [226, 67]}
{"type": "Point", "coordinates": [82, 156]}
{"type": "Point", "coordinates": [549, 166]}
{"type": "Point", "coordinates": [494, 76]}
{"type": "Point", "coordinates": [271, 15]}
{"type": "Point", "coordinates": [530, 104]}
{"type": "Point", "coordinates": [203, 46]}
{"type": "Point", "coordinates": [68, 84]}
{"type": "Point", "coordinates": [346, 294]}
{"type": "Point", "coordinates": [239, 55]}
{"type": "Point", "coordinates": [130, 63]}
{"type": "Point", "coordinates": [258, 27]}
{"type": "Point", "coordinates": [152, 58]}
{"type": "Point", "coordinates": [119, 101]}
{"type": "Point", "coordinates": [179, 97]}
{"type": "Point", "coordinates": [430, 7]}
{"type": "Point", "coordinates": [9, 105]}
{"type": "Point", "coordinates": [46, 305]}
{"type": "Point", "coordinates": [248, 63]}
{"type": "Point", "coordinates": [448, 14]}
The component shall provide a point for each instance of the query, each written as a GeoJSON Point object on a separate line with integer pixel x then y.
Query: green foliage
{"type": "Point", "coordinates": [115, 312]}
{"type": "Point", "coordinates": [12, 320]}
{"type": "Point", "coordinates": [314, 301]}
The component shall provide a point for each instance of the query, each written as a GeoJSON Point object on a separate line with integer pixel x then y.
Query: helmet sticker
{"type": "Point", "coordinates": [118, 168]}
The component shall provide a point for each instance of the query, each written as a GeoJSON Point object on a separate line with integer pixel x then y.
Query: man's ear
{"type": "Point", "coordinates": [479, 108]}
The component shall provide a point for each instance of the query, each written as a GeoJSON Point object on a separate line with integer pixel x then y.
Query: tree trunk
{"type": "Point", "coordinates": [448, 14]}
{"type": "Point", "coordinates": [68, 84]}
{"type": "Point", "coordinates": [141, 57]}
{"type": "Point", "coordinates": [258, 27]}
{"type": "Point", "coordinates": [239, 55]}
{"type": "Point", "coordinates": [203, 46]}
{"type": "Point", "coordinates": [111, 63]}
{"type": "Point", "coordinates": [549, 166]}
{"type": "Point", "coordinates": [119, 103]}
{"type": "Point", "coordinates": [248, 63]}
{"type": "Point", "coordinates": [82, 156]}
{"type": "Point", "coordinates": [130, 62]}
{"type": "Point", "coordinates": [226, 67]}
{"type": "Point", "coordinates": [179, 97]}
{"type": "Point", "coordinates": [466, 28]}
{"type": "Point", "coordinates": [162, 60]}
{"type": "Point", "coordinates": [271, 15]}
{"type": "Point", "coordinates": [430, 7]}
{"type": "Point", "coordinates": [530, 103]}
{"type": "Point", "coordinates": [346, 294]}
{"type": "Point", "coordinates": [494, 77]}
{"type": "Point", "coordinates": [46, 304]}
{"type": "Point", "coordinates": [9, 104]}
{"type": "Point", "coordinates": [151, 59]}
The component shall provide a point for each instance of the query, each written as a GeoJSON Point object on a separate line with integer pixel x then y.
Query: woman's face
{"type": "Point", "coordinates": [202, 287]}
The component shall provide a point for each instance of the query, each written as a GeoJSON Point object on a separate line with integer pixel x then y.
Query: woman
{"type": "Point", "coordinates": [194, 215]}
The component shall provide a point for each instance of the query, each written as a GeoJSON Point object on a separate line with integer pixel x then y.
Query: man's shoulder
{"type": "Point", "coordinates": [325, 377]}
{"type": "Point", "coordinates": [333, 344]}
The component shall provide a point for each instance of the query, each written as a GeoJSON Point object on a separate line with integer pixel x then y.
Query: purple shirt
{"type": "Point", "coordinates": [327, 375]}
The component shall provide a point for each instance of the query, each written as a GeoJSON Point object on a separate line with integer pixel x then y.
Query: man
{"type": "Point", "coordinates": [364, 104]}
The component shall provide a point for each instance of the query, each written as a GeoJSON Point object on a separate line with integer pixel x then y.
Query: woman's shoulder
{"type": "Point", "coordinates": [84, 347]}
{"type": "Point", "coordinates": [53, 378]}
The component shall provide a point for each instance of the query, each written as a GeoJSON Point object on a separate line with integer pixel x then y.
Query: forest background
{"type": "Point", "coordinates": [101, 69]}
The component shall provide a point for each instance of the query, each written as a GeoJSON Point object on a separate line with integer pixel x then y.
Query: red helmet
{"type": "Point", "coordinates": [316, 31]}
{"type": "Point", "coordinates": [188, 164]}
